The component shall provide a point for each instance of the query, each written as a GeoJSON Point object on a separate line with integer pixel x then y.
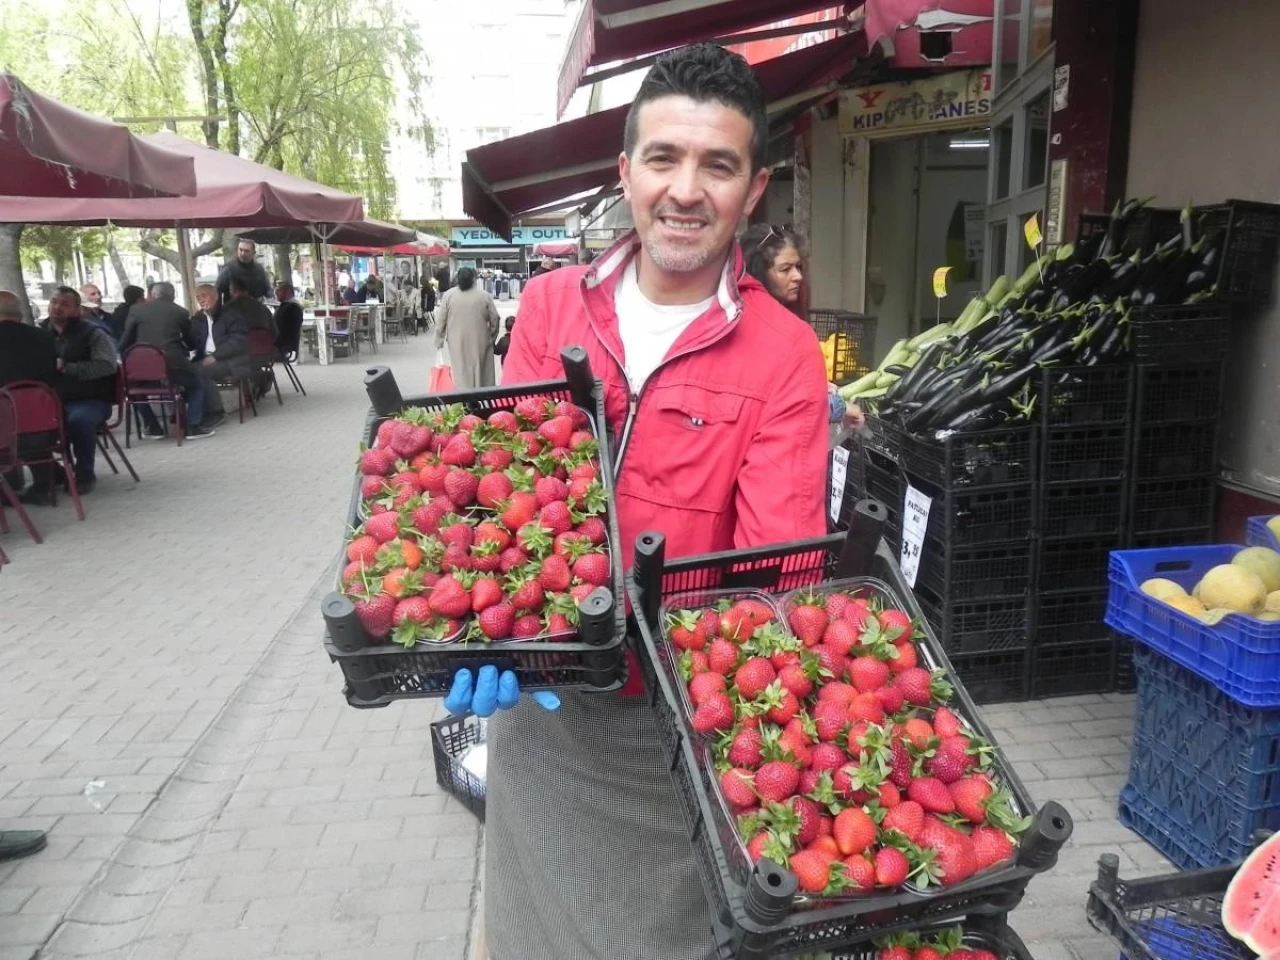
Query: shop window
{"type": "Point", "coordinates": [1041, 28]}
{"type": "Point", "coordinates": [1009, 41]}
{"type": "Point", "coordinates": [997, 240]}
{"type": "Point", "coordinates": [1037, 155]}
{"type": "Point", "coordinates": [1004, 160]}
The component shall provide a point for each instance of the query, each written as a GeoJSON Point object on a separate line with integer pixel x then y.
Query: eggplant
{"type": "Point", "coordinates": [971, 417]}
{"type": "Point", "coordinates": [1062, 350]}
{"type": "Point", "coordinates": [1112, 347]}
{"type": "Point", "coordinates": [1008, 385]}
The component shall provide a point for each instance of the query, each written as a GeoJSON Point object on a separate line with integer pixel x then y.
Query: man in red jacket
{"type": "Point", "coordinates": [718, 397]}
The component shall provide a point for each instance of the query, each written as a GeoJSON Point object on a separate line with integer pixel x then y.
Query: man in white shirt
{"type": "Point", "coordinates": [202, 321]}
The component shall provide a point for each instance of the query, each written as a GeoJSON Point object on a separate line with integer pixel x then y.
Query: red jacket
{"type": "Point", "coordinates": [727, 443]}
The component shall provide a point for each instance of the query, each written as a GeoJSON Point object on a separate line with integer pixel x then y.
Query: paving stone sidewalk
{"type": "Point", "coordinates": [167, 713]}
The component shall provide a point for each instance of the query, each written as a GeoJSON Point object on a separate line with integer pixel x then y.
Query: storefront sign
{"type": "Point", "coordinates": [975, 232]}
{"type": "Point", "coordinates": [1057, 202]}
{"type": "Point", "coordinates": [960, 99]}
{"type": "Point", "coordinates": [520, 236]}
{"type": "Point", "coordinates": [1061, 87]}
{"type": "Point", "coordinates": [1031, 230]}
{"type": "Point", "coordinates": [915, 521]}
{"type": "Point", "coordinates": [940, 282]}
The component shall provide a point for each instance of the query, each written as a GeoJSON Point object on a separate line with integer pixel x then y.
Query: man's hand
{"type": "Point", "coordinates": [490, 691]}
{"type": "Point", "coordinates": [853, 415]}
{"type": "Point", "coordinates": [209, 361]}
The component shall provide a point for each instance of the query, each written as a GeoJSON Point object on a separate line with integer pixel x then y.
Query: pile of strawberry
{"type": "Point", "coordinates": [486, 529]}
{"type": "Point", "coordinates": [947, 944]}
{"type": "Point", "coordinates": [833, 747]}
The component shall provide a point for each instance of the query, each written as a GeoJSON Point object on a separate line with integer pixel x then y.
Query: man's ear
{"type": "Point", "coordinates": [758, 184]}
{"type": "Point", "coordinates": [624, 174]}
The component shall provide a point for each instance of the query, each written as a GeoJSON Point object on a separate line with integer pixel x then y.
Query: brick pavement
{"type": "Point", "coordinates": [208, 793]}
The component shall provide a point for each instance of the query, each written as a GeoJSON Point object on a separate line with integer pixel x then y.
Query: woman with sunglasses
{"type": "Point", "coordinates": [772, 255]}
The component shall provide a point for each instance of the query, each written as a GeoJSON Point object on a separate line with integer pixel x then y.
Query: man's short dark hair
{"type": "Point", "coordinates": [705, 73]}
{"type": "Point", "coordinates": [68, 291]}
{"type": "Point", "coordinates": [163, 290]}
{"type": "Point", "coordinates": [237, 285]}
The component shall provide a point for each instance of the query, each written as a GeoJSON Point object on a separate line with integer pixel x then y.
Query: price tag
{"type": "Point", "coordinates": [839, 474]}
{"type": "Point", "coordinates": [915, 521]}
{"type": "Point", "coordinates": [1031, 230]}
{"type": "Point", "coordinates": [940, 281]}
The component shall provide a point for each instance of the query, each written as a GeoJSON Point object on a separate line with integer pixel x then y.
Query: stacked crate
{"type": "Point", "coordinates": [1084, 461]}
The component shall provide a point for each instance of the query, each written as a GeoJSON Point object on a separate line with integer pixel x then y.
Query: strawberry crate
{"type": "Point", "coordinates": [1085, 396]}
{"type": "Point", "coordinates": [960, 461]}
{"type": "Point", "coordinates": [989, 933]}
{"type": "Point", "coordinates": [756, 905]}
{"type": "Point", "coordinates": [1173, 917]}
{"type": "Point", "coordinates": [592, 658]}
{"type": "Point", "coordinates": [1084, 453]}
{"type": "Point", "coordinates": [1177, 393]}
{"type": "Point", "coordinates": [451, 738]}
{"type": "Point", "coordinates": [1258, 534]}
{"type": "Point", "coordinates": [1239, 655]}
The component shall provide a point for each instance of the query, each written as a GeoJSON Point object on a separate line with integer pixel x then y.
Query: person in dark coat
{"type": "Point", "coordinates": [288, 320]}
{"type": "Point", "coordinates": [26, 353]}
{"type": "Point", "coordinates": [161, 323]}
{"type": "Point", "coordinates": [250, 273]}
{"type": "Point", "coordinates": [120, 314]}
{"type": "Point", "coordinates": [202, 321]}
{"type": "Point", "coordinates": [230, 360]}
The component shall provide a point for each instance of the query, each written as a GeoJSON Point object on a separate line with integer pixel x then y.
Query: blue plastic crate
{"type": "Point", "coordinates": [1147, 820]}
{"type": "Point", "coordinates": [1239, 655]}
{"type": "Point", "coordinates": [1258, 534]}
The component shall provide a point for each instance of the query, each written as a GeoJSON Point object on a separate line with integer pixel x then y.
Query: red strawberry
{"type": "Point", "coordinates": [907, 818]}
{"type": "Point", "coordinates": [529, 442]}
{"type": "Point", "coordinates": [929, 953]}
{"type": "Point", "coordinates": [722, 656]}
{"type": "Point", "coordinates": [895, 624]}
{"type": "Point", "coordinates": [593, 568]}
{"type": "Point", "coordinates": [455, 530]}
{"type": "Point", "coordinates": [386, 431]}
{"type": "Point", "coordinates": [704, 685]}
{"type": "Point", "coordinates": [810, 818]}
{"type": "Point", "coordinates": [384, 528]}
{"type": "Point", "coordinates": [549, 490]}
{"type": "Point", "coordinates": [593, 529]}
{"type": "Point", "coordinates": [431, 477]}
{"type": "Point", "coordinates": [459, 452]}
{"type": "Point", "coordinates": [838, 691]}
{"type": "Point", "coordinates": [490, 532]}
{"type": "Point", "coordinates": [715, 713]}
{"type": "Point", "coordinates": [497, 621]}
{"type": "Point", "coordinates": [991, 845]}
{"type": "Point", "coordinates": [570, 544]}
{"type": "Point", "coordinates": [826, 756]}
{"type": "Point", "coordinates": [456, 558]}
{"type": "Point", "coordinates": [497, 459]}
{"type": "Point", "coordinates": [888, 795]}
{"type": "Point", "coordinates": [575, 413]}
{"type": "Point", "coordinates": [831, 718]}
{"type": "Point", "coordinates": [949, 761]}
{"type": "Point", "coordinates": [581, 440]}
{"type": "Point", "coordinates": [354, 571]}
{"type": "Point", "coordinates": [426, 518]}
{"type": "Point", "coordinates": [745, 750]}
{"type": "Point", "coordinates": [684, 633]}
{"type": "Point", "coordinates": [377, 462]}
{"type": "Point", "coordinates": [777, 780]}
{"type": "Point", "coordinates": [841, 636]}
{"type": "Point", "coordinates": [414, 610]}
{"type": "Point", "coordinates": [932, 794]}
{"type": "Point", "coordinates": [918, 731]}
{"type": "Point", "coordinates": [555, 575]}
{"type": "Point", "coordinates": [520, 510]}
{"type": "Point", "coordinates": [866, 706]}
{"type": "Point", "coordinates": [531, 410]}
{"type": "Point", "coordinates": [892, 867]}
{"type": "Point", "coordinates": [377, 614]}
{"type": "Point", "coordinates": [901, 765]}
{"type": "Point", "coordinates": [580, 591]}
{"type": "Point", "coordinates": [794, 678]}
{"type": "Point", "coordinates": [363, 549]}
{"type": "Point", "coordinates": [785, 710]}
{"type": "Point", "coordinates": [861, 874]}
{"type": "Point", "coordinates": [854, 830]}
{"type": "Point", "coordinates": [917, 686]}
{"type": "Point", "coordinates": [956, 858]}
{"type": "Point", "coordinates": [751, 679]}
{"type": "Point", "coordinates": [505, 421]}
{"type": "Point", "coordinates": [461, 487]}
{"type": "Point", "coordinates": [527, 627]}
{"type": "Point", "coordinates": [469, 423]}
{"type": "Point", "coordinates": [555, 517]}
{"type": "Point", "coordinates": [492, 489]}
{"type": "Point", "coordinates": [857, 612]}
{"type": "Point", "coordinates": [371, 487]}
{"type": "Point", "coordinates": [735, 784]}
{"type": "Point", "coordinates": [527, 595]}
{"type": "Point", "coordinates": [808, 621]}
{"type": "Point", "coordinates": [485, 593]}
{"type": "Point", "coordinates": [450, 599]}
{"type": "Point", "coordinates": [868, 673]}
{"type": "Point", "coordinates": [557, 431]}
{"type": "Point", "coordinates": [970, 795]}
{"type": "Point", "coordinates": [906, 659]}
{"type": "Point", "coordinates": [511, 559]}
{"type": "Point", "coordinates": [757, 844]}
{"type": "Point", "coordinates": [946, 723]}
{"type": "Point", "coordinates": [812, 870]}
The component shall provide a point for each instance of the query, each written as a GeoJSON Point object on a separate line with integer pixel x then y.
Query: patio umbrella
{"type": "Point", "coordinates": [374, 235]}
{"type": "Point", "coordinates": [48, 149]}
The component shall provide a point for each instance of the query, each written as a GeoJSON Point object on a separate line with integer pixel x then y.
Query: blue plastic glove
{"type": "Point", "coordinates": [491, 691]}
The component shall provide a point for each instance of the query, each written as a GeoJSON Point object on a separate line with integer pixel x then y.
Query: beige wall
{"type": "Point", "coordinates": [1206, 127]}
{"type": "Point", "coordinates": [837, 228]}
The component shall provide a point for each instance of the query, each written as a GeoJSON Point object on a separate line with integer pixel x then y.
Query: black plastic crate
{"type": "Point", "coordinates": [378, 673]}
{"type": "Point", "coordinates": [1170, 538]}
{"type": "Point", "coordinates": [1176, 394]}
{"type": "Point", "coordinates": [1002, 676]}
{"type": "Point", "coordinates": [968, 460]}
{"type": "Point", "coordinates": [1070, 454]}
{"type": "Point", "coordinates": [1196, 333]}
{"type": "Point", "coordinates": [1143, 230]}
{"type": "Point", "coordinates": [977, 626]}
{"type": "Point", "coordinates": [980, 933]}
{"type": "Point", "coordinates": [1173, 917]}
{"type": "Point", "coordinates": [1077, 510]}
{"type": "Point", "coordinates": [1071, 617]}
{"type": "Point", "coordinates": [975, 573]}
{"type": "Point", "coordinates": [880, 477]}
{"type": "Point", "coordinates": [1085, 396]}
{"type": "Point", "coordinates": [1073, 668]}
{"type": "Point", "coordinates": [755, 904]}
{"type": "Point", "coordinates": [1175, 450]}
{"type": "Point", "coordinates": [1079, 564]}
{"type": "Point", "coordinates": [1251, 241]}
{"type": "Point", "coordinates": [450, 740]}
{"type": "Point", "coordinates": [979, 516]}
{"type": "Point", "coordinates": [883, 435]}
{"type": "Point", "coordinates": [1185, 504]}
{"type": "Point", "coordinates": [1126, 674]}
{"type": "Point", "coordinates": [855, 346]}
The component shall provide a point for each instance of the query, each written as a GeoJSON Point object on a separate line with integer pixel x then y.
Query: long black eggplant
{"type": "Point", "coordinates": [971, 418]}
{"type": "Point", "coordinates": [1008, 385]}
{"type": "Point", "coordinates": [1113, 346]}
{"type": "Point", "coordinates": [940, 393]}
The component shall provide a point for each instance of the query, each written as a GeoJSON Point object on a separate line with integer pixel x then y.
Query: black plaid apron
{"type": "Point", "coordinates": [587, 856]}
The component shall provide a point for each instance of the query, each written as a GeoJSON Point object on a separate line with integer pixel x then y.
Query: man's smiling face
{"type": "Point", "coordinates": [689, 181]}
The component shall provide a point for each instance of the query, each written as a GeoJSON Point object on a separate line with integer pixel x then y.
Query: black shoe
{"type": "Point", "coordinates": [86, 485]}
{"type": "Point", "coordinates": [212, 422]}
{"type": "Point", "coordinates": [153, 434]}
{"type": "Point", "coordinates": [20, 843]}
{"type": "Point", "coordinates": [35, 496]}
{"type": "Point", "coordinates": [199, 432]}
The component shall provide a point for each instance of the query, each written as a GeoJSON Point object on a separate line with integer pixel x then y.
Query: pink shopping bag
{"type": "Point", "coordinates": [441, 379]}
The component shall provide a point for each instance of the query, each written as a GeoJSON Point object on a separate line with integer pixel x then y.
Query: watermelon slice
{"type": "Point", "coordinates": [1251, 908]}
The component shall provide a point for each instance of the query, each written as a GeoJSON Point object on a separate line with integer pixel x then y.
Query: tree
{"type": "Point", "coordinates": [59, 246]}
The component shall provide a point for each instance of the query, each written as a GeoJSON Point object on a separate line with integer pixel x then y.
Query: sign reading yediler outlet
{"type": "Point", "coordinates": [915, 521]}
{"type": "Point", "coordinates": [520, 236]}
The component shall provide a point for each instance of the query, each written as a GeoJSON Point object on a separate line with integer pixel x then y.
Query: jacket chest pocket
{"type": "Point", "coordinates": [691, 443]}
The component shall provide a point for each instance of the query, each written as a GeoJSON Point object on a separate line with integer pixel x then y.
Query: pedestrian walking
{"type": "Point", "coordinates": [467, 321]}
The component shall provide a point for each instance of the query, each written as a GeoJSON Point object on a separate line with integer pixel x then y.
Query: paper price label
{"type": "Point", "coordinates": [839, 474]}
{"type": "Point", "coordinates": [940, 282]}
{"type": "Point", "coordinates": [915, 521]}
{"type": "Point", "coordinates": [1031, 230]}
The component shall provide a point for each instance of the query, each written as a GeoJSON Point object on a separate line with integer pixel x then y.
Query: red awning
{"type": "Point", "coordinates": [504, 179]}
{"type": "Point", "coordinates": [231, 192]}
{"type": "Point", "coordinates": [555, 249]}
{"type": "Point", "coordinates": [372, 234]}
{"type": "Point", "coordinates": [608, 30]}
{"type": "Point", "coordinates": [48, 149]}
{"type": "Point", "coordinates": [401, 249]}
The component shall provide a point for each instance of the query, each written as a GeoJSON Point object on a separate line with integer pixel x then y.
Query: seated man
{"type": "Point", "coordinates": [288, 321]}
{"type": "Point", "coordinates": [91, 310]}
{"type": "Point", "coordinates": [87, 368]}
{"type": "Point", "coordinates": [230, 360]}
{"type": "Point", "coordinates": [202, 321]}
{"type": "Point", "coordinates": [162, 323]}
{"type": "Point", "coordinates": [26, 353]}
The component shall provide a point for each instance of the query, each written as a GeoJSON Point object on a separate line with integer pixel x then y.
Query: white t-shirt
{"type": "Point", "coordinates": [648, 330]}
